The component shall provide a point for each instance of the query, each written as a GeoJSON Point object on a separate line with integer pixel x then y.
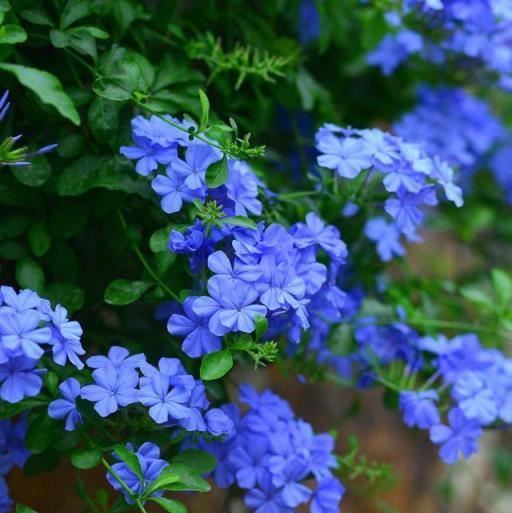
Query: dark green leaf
{"type": "Point", "coordinates": [14, 225]}
{"type": "Point", "coordinates": [11, 250]}
{"type": "Point", "coordinates": [124, 292]}
{"type": "Point", "coordinates": [41, 432]}
{"type": "Point", "coordinates": [65, 294]}
{"type": "Point", "coordinates": [199, 461]}
{"type": "Point", "coordinates": [33, 11]}
{"type": "Point", "coordinates": [245, 222]}
{"type": "Point", "coordinates": [170, 505]}
{"type": "Point", "coordinates": [103, 118]}
{"type": "Point", "coordinates": [217, 173]}
{"type": "Point", "coordinates": [71, 146]}
{"type": "Point", "coordinates": [39, 239]}
{"type": "Point", "coordinates": [86, 458]}
{"type": "Point", "coordinates": [46, 86]}
{"type": "Point", "coordinates": [11, 409]}
{"type": "Point", "coordinates": [34, 175]}
{"type": "Point", "coordinates": [112, 89]}
{"type": "Point", "coordinates": [29, 275]}
{"type": "Point", "coordinates": [75, 10]}
{"type": "Point", "coordinates": [215, 365]}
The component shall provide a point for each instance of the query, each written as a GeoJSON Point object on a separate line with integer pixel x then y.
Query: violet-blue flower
{"type": "Point", "coordinates": [65, 407]}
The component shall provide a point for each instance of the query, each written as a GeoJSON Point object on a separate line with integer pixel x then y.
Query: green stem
{"type": "Point", "coordinates": [126, 488]}
{"type": "Point", "coordinates": [298, 194]}
{"type": "Point", "coordinates": [145, 263]}
{"type": "Point", "coordinates": [179, 127]}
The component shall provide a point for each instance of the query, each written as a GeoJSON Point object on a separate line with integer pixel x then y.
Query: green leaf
{"type": "Point", "coordinates": [130, 459]}
{"type": "Point", "coordinates": [477, 295]}
{"type": "Point", "coordinates": [12, 34]}
{"type": "Point", "coordinates": [160, 239]}
{"type": "Point", "coordinates": [24, 509]}
{"type": "Point", "coordinates": [188, 479]}
{"type": "Point", "coordinates": [39, 239]}
{"type": "Point", "coordinates": [29, 275]}
{"type": "Point", "coordinates": [86, 458]}
{"type": "Point", "coordinates": [205, 111]}
{"type": "Point", "coordinates": [41, 432]}
{"type": "Point", "coordinates": [112, 89]}
{"type": "Point", "coordinates": [502, 283]}
{"type": "Point", "coordinates": [245, 222]}
{"type": "Point", "coordinates": [170, 505]}
{"type": "Point", "coordinates": [31, 10]}
{"type": "Point", "coordinates": [14, 225]}
{"type": "Point", "coordinates": [165, 479]}
{"type": "Point", "coordinates": [46, 86]}
{"type": "Point", "coordinates": [66, 294]}
{"type": "Point", "coordinates": [103, 118]}
{"type": "Point", "coordinates": [59, 39]}
{"type": "Point", "coordinates": [215, 365]}
{"type": "Point", "coordinates": [12, 409]}
{"type": "Point", "coordinates": [34, 175]}
{"type": "Point", "coordinates": [217, 173]}
{"type": "Point", "coordinates": [83, 41]}
{"type": "Point", "coordinates": [261, 323]}
{"type": "Point", "coordinates": [199, 461]}
{"type": "Point", "coordinates": [124, 292]}
{"type": "Point", "coordinates": [75, 10]}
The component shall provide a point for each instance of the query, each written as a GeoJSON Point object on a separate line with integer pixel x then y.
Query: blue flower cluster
{"type": "Point", "coordinates": [151, 467]}
{"type": "Point", "coordinates": [452, 124]}
{"type": "Point", "coordinates": [12, 454]}
{"type": "Point", "coordinates": [271, 454]}
{"type": "Point", "coordinates": [410, 178]}
{"type": "Point", "coordinates": [186, 160]}
{"type": "Point", "coordinates": [173, 396]}
{"type": "Point", "coordinates": [470, 31]}
{"type": "Point", "coordinates": [28, 327]}
{"type": "Point", "coordinates": [270, 271]}
{"type": "Point", "coordinates": [475, 383]}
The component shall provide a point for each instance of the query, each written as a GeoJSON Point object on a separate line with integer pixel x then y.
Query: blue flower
{"type": "Point", "coordinates": [267, 499]}
{"type": "Point", "coordinates": [119, 358]}
{"type": "Point", "coordinates": [197, 160]}
{"type": "Point", "coordinates": [5, 499]}
{"type": "Point", "coordinates": [22, 331]}
{"type": "Point", "coordinates": [174, 191]}
{"type": "Point", "coordinates": [229, 309]}
{"type": "Point", "coordinates": [218, 423]}
{"type": "Point", "coordinates": [66, 338]}
{"type": "Point", "coordinates": [112, 388]}
{"type": "Point", "coordinates": [151, 467]}
{"type": "Point", "coordinates": [219, 263]}
{"type": "Point", "coordinates": [386, 236]}
{"type": "Point", "coordinates": [475, 399]}
{"type": "Point", "coordinates": [242, 188]}
{"type": "Point", "coordinates": [315, 231]}
{"type": "Point", "coordinates": [459, 437]}
{"type": "Point", "coordinates": [66, 406]}
{"type": "Point", "coordinates": [165, 401]}
{"type": "Point", "coordinates": [15, 303]}
{"type": "Point", "coordinates": [327, 496]}
{"type": "Point", "coordinates": [348, 156]}
{"type": "Point", "coordinates": [279, 286]}
{"type": "Point", "coordinates": [419, 408]}
{"type": "Point", "coordinates": [20, 379]}
{"type": "Point", "coordinates": [154, 144]}
{"type": "Point", "coordinates": [308, 24]}
{"type": "Point", "coordinates": [198, 338]}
